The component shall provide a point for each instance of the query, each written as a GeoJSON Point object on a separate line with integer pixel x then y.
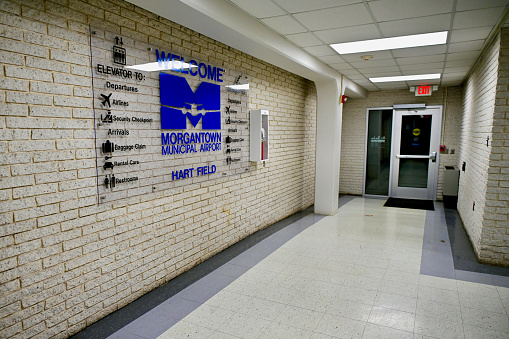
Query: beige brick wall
{"type": "Point", "coordinates": [353, 134]}
{"type": "Point", "coordinates": [66, 262]}
{"type": "Point", "coordinates": [495, 225]}
{"type": "Point", "coordinates": [476, 126]}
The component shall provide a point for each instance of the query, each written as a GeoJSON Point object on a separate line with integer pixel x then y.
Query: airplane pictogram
{"type": "Point", "coordinates": [106, 99]}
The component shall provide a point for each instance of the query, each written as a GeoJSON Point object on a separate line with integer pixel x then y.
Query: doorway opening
{"type": "Point", "coordinates": [402, 150]}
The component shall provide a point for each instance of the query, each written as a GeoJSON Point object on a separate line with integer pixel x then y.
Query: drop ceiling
{"type": "Point", "coordinates": [315, 24]}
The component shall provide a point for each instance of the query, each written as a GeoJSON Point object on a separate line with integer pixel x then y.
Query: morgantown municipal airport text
{"type": "Point", "coordinates": [181, 143]}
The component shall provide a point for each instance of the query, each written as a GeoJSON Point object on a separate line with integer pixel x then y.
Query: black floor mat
{"type": "Point", "coordinates": [410, 203]}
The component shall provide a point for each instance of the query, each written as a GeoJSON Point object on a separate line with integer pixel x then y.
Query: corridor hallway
{"type": "Point", "coordinates": [357, 274]}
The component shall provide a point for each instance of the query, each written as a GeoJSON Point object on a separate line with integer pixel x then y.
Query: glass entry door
{"type": "Point", "coordinates": [416, 137]}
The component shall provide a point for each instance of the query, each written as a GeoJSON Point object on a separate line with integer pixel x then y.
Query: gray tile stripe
{"type": "Point", "coordinates": [439, 260]}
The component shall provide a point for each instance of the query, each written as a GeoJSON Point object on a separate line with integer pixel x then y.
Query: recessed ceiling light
{"type": "Point", "coordinates": [406, 78]}
{"type": "Point", "coordinates": [155, 66]}
{"type": "Point", "coordinates": [416, 40]}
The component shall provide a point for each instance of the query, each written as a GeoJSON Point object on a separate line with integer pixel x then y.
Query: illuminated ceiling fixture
{"type": "Point", "coordinates": [407, 78]}
{"type": "Point", "coordinates": [243, 86]}
{"type": "Point", "coordinates": [417, 40]}
{"type": "Point", "coordinates": [154, 66]}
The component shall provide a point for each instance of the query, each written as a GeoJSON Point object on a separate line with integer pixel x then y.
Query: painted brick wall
{"type": "Point", "coordinates": [495, 231]}
{"type": "Point", "coordinates": [476, 126]}
{"type": "Point", "coordinates": [66, 262]}
{"type": "Point", "coordinates": [353, 134]}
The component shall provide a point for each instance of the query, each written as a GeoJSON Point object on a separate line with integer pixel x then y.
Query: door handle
{"type": "Point", "coordinates": [433, 157]}
{"type": "Point", "coordinates": [399, 156]}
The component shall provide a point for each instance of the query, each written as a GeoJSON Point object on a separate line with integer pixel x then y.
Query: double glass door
{"type": "Point", "coordinates": [402, 153]}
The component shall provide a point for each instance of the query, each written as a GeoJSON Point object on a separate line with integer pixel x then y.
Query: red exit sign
{"type": "Point", "coordinates": [423, 91]}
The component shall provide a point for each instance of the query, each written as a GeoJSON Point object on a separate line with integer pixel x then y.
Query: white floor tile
{"type": "Point", "coordinates": [399, 320]}
{"type": "Point", "coordinates": [437, 328]}
{"type": "Point", "coordinates": [261, 308]}
{"type": "Point", "coordinates": [382, 332]}
{"type": "Point", "coordinates": [396, 302]}
{"type": "Point", "coordinates": [447, 312]}
{"type": "Point", "coordinates": [280, 331]}
{"type": "Point", "coordinates": [352, 275]}
{"type": "Point", "coordinates": [494, 321]}
{"type": "Point", "coordinates": [473, 332]}
{"type": "Point", "coordinates": [349, 309]}
{"type": "Point", "coordinates": [437, 282]}
{"type": "Point", "coordinates": [297, 317]}
{"type": "Point", "coordinates": [438, 295]}
{"type": "Point", "coordinates": [340, 327]}
{"type": "Point", "coordinates": [244, 326]}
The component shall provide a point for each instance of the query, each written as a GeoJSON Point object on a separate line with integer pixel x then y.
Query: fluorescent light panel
{"type": "Point", "coordinates": [406, 78]}
{"type": "Point", "coordinates": [243, 86]}
{"type": "Point", "coordinates": [154, 66]}
{"type": "Point", "coordinates": [417, 40]}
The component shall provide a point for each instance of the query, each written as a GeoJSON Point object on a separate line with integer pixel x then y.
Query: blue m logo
{"type": "Point", "coordinates": [178, 99]}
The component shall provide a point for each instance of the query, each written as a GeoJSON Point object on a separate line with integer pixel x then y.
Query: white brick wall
{"type": "Point", "coordinates": [353, 134]}
{"type": "Point", "coordinates": [477, 121]}
{"type": "Point", "coordinates": [494, 241]}
{"type": "Point", "coordinates": [66, 262]}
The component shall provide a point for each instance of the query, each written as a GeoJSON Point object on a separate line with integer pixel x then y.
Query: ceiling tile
{"type": "Point", "coordinates": [379, 55]}
{"type": "Point", "coordinates": [468, 34]}
{"type": "Point", "coordinates": [424, 67]}
{"type": "Point", "coordinates": [260, 8]}
{"type": "Point", "coordinates": [418, 51]}
{"type": "Point", "coordinates": [356, 77]}
{"type": "Point", "coordinates": [423, 82]}
{"type": "Point", "coordinates": [349, 72]}
{"type": "Point", "coordinates": [363, 82]}
{"type": "Point", "coordinates": [335, 17]}
{"type": "Point", "coordinates": [320, 50]}
{"type": "Point", "coordinates": [420, 59]}
{"type": "Point", "coordinates": [296, 6]}
{"type": "Point", "coordinates": [361, 64]}
{"type": "Point", "coordinates": [465, 5]}
{"type": "Point", "coordinates": [341, 67]}
{"type": "Point", "coordinates": [284, 25]}
{"type": "Point", "coordinates": [456, 69]}
{"type": "Point", "coordinates": [459, 63]}
{"type": "Point", "coordinates": [381, 72]}
{"type": "Point", "coordinates": [391, 86]}
{"type": "Point", "coordinates": [304, 39]}
{"type": "Point", "coordinates": [426, 71]}
{"type": "Point", "coordinates": [332, 59]}
{"type": "Point", "coordinates": [422, 25]}
{"type": "Point", "coordinates": [347, 34]}
{"type": "Point", "coordinates": [477, 18]}
{"type": "Point", "coordinates": [387, 10]}
{"type": "Point", "coordinates": [454, 74]}
{"type": "Point", "coordinates": [466, 46]}
{"type": "Point", "coordinates": [454, 77]}
{"type": "Point", "coordinates": [472, 55]}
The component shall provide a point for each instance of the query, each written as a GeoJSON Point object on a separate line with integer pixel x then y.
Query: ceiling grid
{"type": "Point", "coordinates": [314, 25]}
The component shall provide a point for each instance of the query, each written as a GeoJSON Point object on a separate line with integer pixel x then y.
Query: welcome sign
{"type": "Point", "coordinates": [164, 120]}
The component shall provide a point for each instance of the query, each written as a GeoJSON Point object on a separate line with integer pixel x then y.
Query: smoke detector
{"type": "Point", "coordinates": [366, 57]}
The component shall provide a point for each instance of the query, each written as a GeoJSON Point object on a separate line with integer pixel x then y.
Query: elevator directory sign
{"type": "Point", "coordinates": [163, 120]}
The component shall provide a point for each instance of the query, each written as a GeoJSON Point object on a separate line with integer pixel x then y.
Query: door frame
{"type": "Point", "coordinates": [431, 193]}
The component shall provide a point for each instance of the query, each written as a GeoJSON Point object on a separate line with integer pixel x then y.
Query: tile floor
{"type": "Point", "coordinates": [353, 275]}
